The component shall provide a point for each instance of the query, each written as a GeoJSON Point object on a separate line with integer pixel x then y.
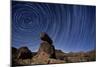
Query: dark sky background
{"type": "Point", "coordinates": [71, 27]}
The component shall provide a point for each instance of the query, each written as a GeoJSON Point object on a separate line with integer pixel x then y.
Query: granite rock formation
{"type": "Point", "coordinates": [46, 50]}
{"type": "Point", "coordinates": [24, 53]}
{"type": "Point", "coordinates": [46, 53]}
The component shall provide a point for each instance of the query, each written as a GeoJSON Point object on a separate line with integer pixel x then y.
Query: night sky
{"type": "Point", "coordinates": [71, 27]}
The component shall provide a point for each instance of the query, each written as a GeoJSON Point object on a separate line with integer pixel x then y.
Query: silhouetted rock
{"type": "Point", "coordinates": [14, 52]}
{"type": "Point", "coordinates": [14, 55]}
{"type": "Point", "coordinates": [24, 53]}
{"type": "Point", "coordinates": [45, 37]}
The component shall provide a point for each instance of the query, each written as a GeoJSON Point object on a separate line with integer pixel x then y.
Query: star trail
{"type": "Point", "coordinates": [71, 27]}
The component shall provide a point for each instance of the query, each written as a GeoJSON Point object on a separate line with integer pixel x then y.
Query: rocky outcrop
{"type": "Point", "coordinates": [44, 37]}
{"type": "Point", "coordinates": [14, 52]}
{"type": "Point", "coordinates": [60, 54]}
{"type": "Point", "coordinates": [46, 53]}
{"type": "Point", "coordinates": [14, 55]}
{"type": "Point", "coordinates": [24, 53]}
{"type": "Point", "coordinates": [46, 50]}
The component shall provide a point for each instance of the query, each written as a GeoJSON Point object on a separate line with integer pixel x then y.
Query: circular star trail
{"type": "Point", "coordinates": [70, 26]}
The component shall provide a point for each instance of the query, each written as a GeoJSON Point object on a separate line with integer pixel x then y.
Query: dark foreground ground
{"type": "Point", "coordinates": [23, 56]}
